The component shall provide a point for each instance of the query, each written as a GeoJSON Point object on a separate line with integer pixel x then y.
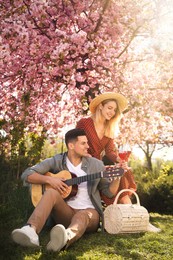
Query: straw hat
{"type": "Point", "coordinates": [120, 99]}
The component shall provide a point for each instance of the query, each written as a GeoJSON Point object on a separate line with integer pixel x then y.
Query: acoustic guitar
{"type": "Point", "coordinates": [72, 181]}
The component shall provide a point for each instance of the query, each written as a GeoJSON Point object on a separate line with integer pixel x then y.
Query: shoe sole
{"type": "Point", "coordinates": [22, 239]}
{"type": "Point", "coordinates": [58, 238]}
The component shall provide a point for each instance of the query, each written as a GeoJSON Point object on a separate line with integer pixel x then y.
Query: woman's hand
{"type": "Point", "coordinates": [123, 164]}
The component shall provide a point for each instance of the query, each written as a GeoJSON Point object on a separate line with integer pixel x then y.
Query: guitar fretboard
{"type": "Point", "coordinates": [78, 180]}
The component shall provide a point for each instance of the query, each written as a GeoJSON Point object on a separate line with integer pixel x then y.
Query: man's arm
{"type": "Point", "coordinates": [36, 175]}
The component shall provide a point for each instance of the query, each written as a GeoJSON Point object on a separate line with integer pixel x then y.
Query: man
{"type": "Point", "coordinates": [78, 214]}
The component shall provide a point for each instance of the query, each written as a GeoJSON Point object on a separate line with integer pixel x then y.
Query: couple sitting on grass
{"type": "Point", "coordinates": [80, 213]}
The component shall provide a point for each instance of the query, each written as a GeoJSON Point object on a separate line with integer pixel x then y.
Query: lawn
{"type": "Point", "coordinates": [99, 245]}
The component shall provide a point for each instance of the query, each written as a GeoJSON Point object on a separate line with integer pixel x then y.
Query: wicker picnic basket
{"type": "Point", "coordinates": [126, 218]}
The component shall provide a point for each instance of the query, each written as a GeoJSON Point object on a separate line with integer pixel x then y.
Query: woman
{"type": "Point", "coordinates": [106, 110]}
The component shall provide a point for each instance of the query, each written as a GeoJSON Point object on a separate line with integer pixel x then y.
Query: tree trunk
{"type": "Point", "coordinates": [149, 162]}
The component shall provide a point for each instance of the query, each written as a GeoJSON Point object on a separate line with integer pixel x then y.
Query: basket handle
{"type": "Point", "coordinates": [124, 190]}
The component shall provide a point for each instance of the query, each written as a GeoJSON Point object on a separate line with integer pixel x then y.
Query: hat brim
{"type": "Point", "coordinates": [119, 98]}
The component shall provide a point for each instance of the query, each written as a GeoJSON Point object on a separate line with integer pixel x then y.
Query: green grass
{"type": "Point", "coordinates": [97, 245]}
{"type": "Point", "coordinates": [16, 208]}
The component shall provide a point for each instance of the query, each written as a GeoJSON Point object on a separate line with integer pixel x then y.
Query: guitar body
{"type": "Point", "coordinates": [37, 190]}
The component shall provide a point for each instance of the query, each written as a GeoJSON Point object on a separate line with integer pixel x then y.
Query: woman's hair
{"type": "Point", "coordinates": [111, 124]}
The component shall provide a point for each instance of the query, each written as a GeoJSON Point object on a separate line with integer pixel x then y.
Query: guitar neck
{"type": "Point", "coordinates": [111, 172]}
{"type": "Point", "coordinates": [78, 180]}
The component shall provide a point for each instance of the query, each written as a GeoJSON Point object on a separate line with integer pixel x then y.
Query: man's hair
{"type": "Point", "coordinates": [73, 134]}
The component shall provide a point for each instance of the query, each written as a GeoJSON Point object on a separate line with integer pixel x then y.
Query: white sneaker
{"type": "Point", "coordinates": [152, 228]}
{"type": "Point", "coordinates": [25, 236]}
{"type": "Point", "coordinates": [58, 238]}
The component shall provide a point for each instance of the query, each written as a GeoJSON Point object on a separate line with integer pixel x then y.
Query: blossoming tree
{"type": "Point", "coordinates": [56, 55]}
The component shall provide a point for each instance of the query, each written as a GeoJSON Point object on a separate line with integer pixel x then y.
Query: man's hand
{"type": "Point", "coordinates": [57, 183]}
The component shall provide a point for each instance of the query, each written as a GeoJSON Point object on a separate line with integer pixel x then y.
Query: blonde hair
{"type": "Point", "coordinates": [111, 124]}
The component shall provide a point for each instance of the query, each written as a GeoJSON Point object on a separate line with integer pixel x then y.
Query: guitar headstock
{"type": "Point", "coordinates": [112, 171]}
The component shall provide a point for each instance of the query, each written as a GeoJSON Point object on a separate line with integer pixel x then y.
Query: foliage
{"type": "Point", "coordinates": [161, 193]}
{"type": "Point", "coordinates": [34, 150]}
{"type": "Point", "coordinates": [155, 188]}
{"type": "Point", "coordinates": [24, 150]}
{"type": "Point", "coordinates": [51, 148]}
